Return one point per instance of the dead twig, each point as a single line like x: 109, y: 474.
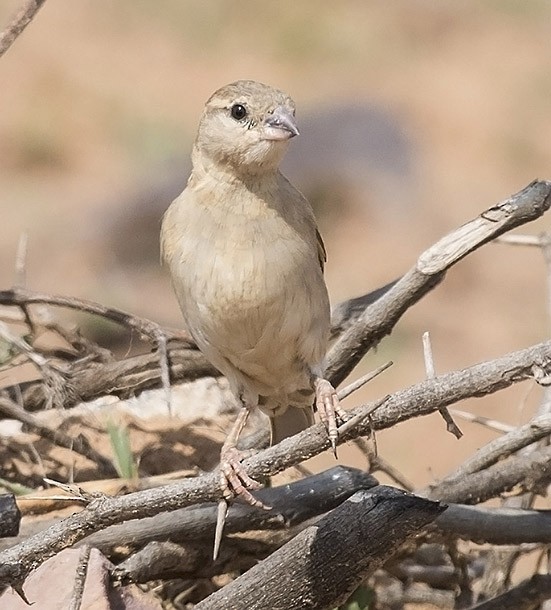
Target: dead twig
x: 351, y: 542
x: 451, y: 426
x: 22, y: 297
x: 424, y: 398
x: 123, y: 378
x: 502, y: 448
x: 79, y: 443
x: 501, y: 563
x: 528, y: 595
x: 18, y: 24
x: 359, y: 383
x: 524, y: 473
x: 498, y: 526
x: 379, y: 318
x: 491, y: 424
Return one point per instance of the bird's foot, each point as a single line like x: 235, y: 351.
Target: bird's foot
x: 328, y: 406
x: 234, y: 483
x: 234, y: 480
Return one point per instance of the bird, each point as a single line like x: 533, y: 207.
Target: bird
x: 246, y: 261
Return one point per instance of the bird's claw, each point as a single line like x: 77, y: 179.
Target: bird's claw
x: 234, y: 483
x: 329, y: 409
x: 234, y: 480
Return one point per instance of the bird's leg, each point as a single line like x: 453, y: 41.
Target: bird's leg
x: 234, y: 480
x: 327, y: 404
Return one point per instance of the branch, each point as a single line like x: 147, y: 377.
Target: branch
x: 324, y: 563
x: 87, y: 380
x: 18, y: 24
x: 502, y: 562
x: 522, y: 472
x: 437, y: 576
x: 123, y: 378
x: 500, y: 448
x: 502, y: 526
x: 378, y: 319
x: 291, y: 504
x: 79, y: 443
x: 22, y: 297
x: 498, y: 526
x: 401, y: 596
x: 361, y: 322
x: 421, y: 399
x: 526, y: 596
x: 10, y: 516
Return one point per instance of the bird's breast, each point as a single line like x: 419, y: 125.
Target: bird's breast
x: 249, y: 284
x: 247, y: 266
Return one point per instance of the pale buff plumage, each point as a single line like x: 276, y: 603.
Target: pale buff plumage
x: 246, y: 258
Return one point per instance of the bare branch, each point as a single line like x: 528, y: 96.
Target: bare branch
x: 80, y: 579
x: 424, y: 398
x: 21, y: 297
x: 483, y: 477
x: 291, y: 504
x: 378, y: 319
x: 502, y: 447
x: 124, y: 378
x: 327, y: 561
x: 18, y: 24
x: 491, y: 424
x: 79, y: 443
x: 526, y: 596
x: 522, y: 472
x: 520, y: 240
x: 501, y: 562
x: 21, y: 260
x: 501, y: 526
x: 359, y: 383
x: 379, y: 464
x: 23, y: 347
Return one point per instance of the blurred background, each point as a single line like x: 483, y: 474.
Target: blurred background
x: 415, y: 116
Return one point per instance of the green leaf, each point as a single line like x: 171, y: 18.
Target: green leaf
x: 15, y: 488
x: 122, y: 453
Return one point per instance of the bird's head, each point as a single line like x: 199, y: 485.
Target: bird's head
x: 247, y: 126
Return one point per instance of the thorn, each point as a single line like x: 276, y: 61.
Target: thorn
x: 364, y: 413
x: 492, y: 424
x: 451, y: 426
x: 220, y: 522
x: 18, y: 588
x: 356, y: 385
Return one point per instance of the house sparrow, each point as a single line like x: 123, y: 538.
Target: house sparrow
x: 246, y: 261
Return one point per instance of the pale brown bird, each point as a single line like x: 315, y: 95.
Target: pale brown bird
x: 246, y: 261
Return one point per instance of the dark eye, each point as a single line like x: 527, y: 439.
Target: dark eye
x: 238, y: 112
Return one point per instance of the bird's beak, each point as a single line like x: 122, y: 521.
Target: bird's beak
x: 280, y: 125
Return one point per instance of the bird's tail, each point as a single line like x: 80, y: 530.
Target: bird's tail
x: 290, y: 422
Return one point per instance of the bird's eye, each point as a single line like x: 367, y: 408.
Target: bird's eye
x: 238, y: 112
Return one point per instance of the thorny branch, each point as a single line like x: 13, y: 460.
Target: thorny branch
x: 358, y: 325
x: 378, y: 319
x: 421, y: 399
